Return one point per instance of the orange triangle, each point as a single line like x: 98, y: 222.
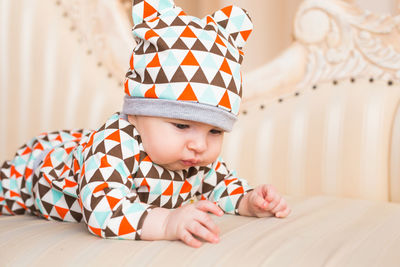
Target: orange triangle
x: 186, y: 187
x: 114, y: 136
x: 47, y: 162
x: 137, y: 157
x: 188, y: 33
x: 47, y: 179
x: 131, y: 62
x: 69, y: 149
x: 14, y: 194
x: 77, y: 135
x: 69, y: 183
x: 219, y: 41
x: 28, y: 173
x: 190, y: 60
x: 125, y: 227
x: 96, y: 231
x: 66, y: 168
x: 155, y: 62
x: 13, y: 171
x: 104, y: 162
x: 151, y: 93
x: 245, y: 34
x: 59, y: 138
x: 38, y: 146
x: 237, y: 191
x: 90, y: 143
x: 112, y: 201
x: 228, y: 181
x: 225, y: 101
x: 210, y: 19
x: 169, y: 191
x: 149, y: 34
x: 227, y: 10
x: 148, y: 10
x: 188, y: 94
x: 127, y: 87
x: 225, y: 67
x: 100, y: 187
x: 182, y: 13
x: 26, y: 151
x: 76, y: 165
x: 218, y: 165
x: 22, y: 205
x: 144, y: 183
x: 61, y: 211
x: 147, y: 158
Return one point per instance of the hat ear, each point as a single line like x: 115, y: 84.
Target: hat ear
x: 144, y: 10
x: 236, y: 22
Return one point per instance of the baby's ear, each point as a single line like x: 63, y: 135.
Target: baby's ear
x: 144, y: 10
x: 236, y: 22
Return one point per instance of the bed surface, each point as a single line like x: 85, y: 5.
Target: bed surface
x: 321, y: 231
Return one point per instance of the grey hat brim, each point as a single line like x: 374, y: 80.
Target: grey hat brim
x: 183, y: 110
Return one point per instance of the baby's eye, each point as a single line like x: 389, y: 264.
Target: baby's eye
x: 215, y: 131
x: 181, y: 126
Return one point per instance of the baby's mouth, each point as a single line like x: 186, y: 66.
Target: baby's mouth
x: 190, y: 163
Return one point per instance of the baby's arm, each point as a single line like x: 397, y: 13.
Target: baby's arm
x: 264, y: 201
x: 183, y: 223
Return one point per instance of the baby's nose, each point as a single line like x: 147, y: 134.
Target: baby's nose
x: 198, y: 144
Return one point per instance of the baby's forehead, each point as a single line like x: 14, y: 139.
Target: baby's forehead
x: 179, y: 121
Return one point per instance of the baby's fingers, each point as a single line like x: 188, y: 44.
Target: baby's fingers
x: 283, y: 214
x: 208, y: 206
x: 188, y: 239
x: 281, y: 205
x: 201, y: 231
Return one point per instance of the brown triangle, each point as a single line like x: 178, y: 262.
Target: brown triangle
x: 161, y: 77
x: 168, y: 205
x: 116, y: 151
x: 179, y: 76
x: 166, y: 175
x: 223, y: 23
x: 215, y: 50
x: 178, y: 22
x: 179, y: 44
x: 161, y: 45
x: 157, y: 201
x: 229, y: 56
x: 218, y: 81
x: 139, y: 49
x: 76, y: 215
x: 232, y: 87
x: 153, y: 173
x: 199, y: 46
x: 69, y: 200
x: 178, y: 177
x: 100, y: 148
x: 194, y: 24
x: 161, y: 24
x: 130, y: 163
x: 199, y: 77
x: 151, y: 49
x: 147, y: 78
x: 47, y: 206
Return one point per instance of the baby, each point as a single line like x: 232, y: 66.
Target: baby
x: 136, y: 175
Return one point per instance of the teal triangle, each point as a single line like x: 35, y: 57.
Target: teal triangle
x: 170, y: 13
x: 168, y: 93
x: 164, y: 4
x: 157, y: 189
x: 99, y: 137
x: 58, y: 154
x: 141, y: 63
x: 13, y: 184
x: 228, y: 205
x: 137, y: 92
x: 121, y: 168
x: 170, y: 33
x: 135, y: 208
x: 238, y: 21
x: 129, y: 144
x: 209, y: 62
x: 170, y: 61
x: 235, y: 106
x: 197, y: 181
x: 205, y: 36
x: 177, y: 189
x: 39, y: 204
x: 28, y: 186
x: 57, y: 195
x: 91, y: 164
x: 101, y: 217
x: 18, y: 161
x: 136, y: 18
x: 86, y: 193
x: 218, y: 192
x: 208, y: 97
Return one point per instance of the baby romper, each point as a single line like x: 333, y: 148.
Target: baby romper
x: 106, y: 178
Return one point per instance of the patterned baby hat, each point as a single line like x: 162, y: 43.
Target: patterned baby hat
x: 184, y: 67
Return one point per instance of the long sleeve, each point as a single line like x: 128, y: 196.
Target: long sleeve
x: 110, y: 205
x: 223, y: 187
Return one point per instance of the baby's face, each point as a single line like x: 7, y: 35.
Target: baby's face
x: 178, y: 144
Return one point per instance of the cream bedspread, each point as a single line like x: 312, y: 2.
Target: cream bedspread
x: 321, y: 231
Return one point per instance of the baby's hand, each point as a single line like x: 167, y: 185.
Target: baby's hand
x: 192, y: 220
x: 264, y: 201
